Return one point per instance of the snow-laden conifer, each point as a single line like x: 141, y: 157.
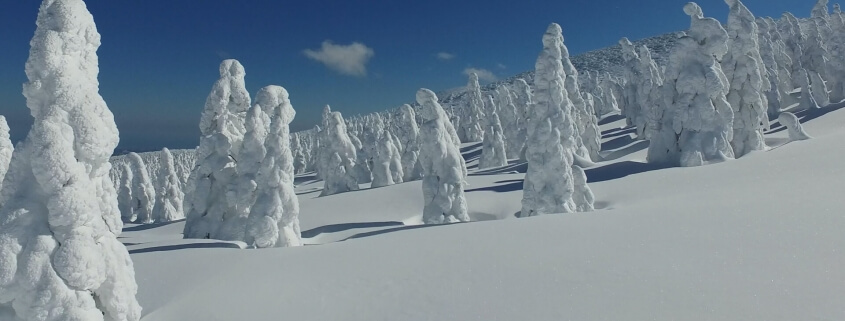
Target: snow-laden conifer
x: 474, y: 112
x: 60, y: 258
x: 509, y: 116
x: 523, y: 99
x: 793, y: 126
x: 409, y: 133
x: 274, y: 217
x: 548, y: 186
x: 493, y: 145
x: 695, y: 93
x: 748, y: 81
x: 444, y: 170
x: 143, y: 191
x: 338, y: 157
x: 582, y: 114
x: 169, y: 196
x: 582, y: 195
x: 125, y: 200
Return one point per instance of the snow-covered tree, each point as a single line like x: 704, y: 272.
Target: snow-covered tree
x: 837, y: 61
x: 409, y: 133
x: 474, y: 112
x: 299, y: 163
x: 695, y: 93
x: 6, y: 149
x: 582, y: 195
x: 444, y: 170
x: 222, y: 127
x: 60, y: 258
x: 509, y: 116
x: 249, y: 159
x: 274, y: 218
x: 169, y: 196
x: 493, y: 145
x: 584, y: 117
x: 808, y: 99
x: 632, y: 111
x: 610, y: 103
x: 337, y: 157
x: 125, y: 200
x: 143, y: 192
x: 523, y: 99
x: 386, y: 159
x: 815, y: 61
x: 793, y: 126
x: 650, y: 95
x: 748, y: 81
x: 549, y: 185
x: 775, y: 94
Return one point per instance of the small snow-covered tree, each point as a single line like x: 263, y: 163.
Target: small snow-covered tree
x: 582, y: 113
x: 338, y: 157
x: 222, y: 127
x: 837, y: 61
x: 409, y: 133
x: 774, y: 95
x: 444, y: 170
x: 249, y: 159
x: 582, y: 195
x: 748, y: 81
x: 387, y: 163
x: 493, y: 145
x: 60, y: 258
x: 299, y: 163
x: 650, y: 93
x: 522, y: 100
x: 793, y: 126
x: 274, y: 217
x: 509, y: 116
x: 808, y: 99
x: 474, y: 111
x: 124, y: 194
x: 143, y: 192
x: 169, y: 196
x: 632, y: 112
x: 549, y: 186
x: 6, y: 149
x: 695, y: 93
x: 815, y: 61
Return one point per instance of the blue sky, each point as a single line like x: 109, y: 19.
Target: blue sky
x: 159, y: 58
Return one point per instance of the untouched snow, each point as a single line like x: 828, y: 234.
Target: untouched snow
x: 758, y: 238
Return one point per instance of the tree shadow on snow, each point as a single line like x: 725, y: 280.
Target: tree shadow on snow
x: 610, y: 119
x: 167, y: 248
x: 514, y: 166
x: 391, y: 230
x: 806, y: 116
x: 619, y: 170
x: 145, y: 227
x: 334, y: 228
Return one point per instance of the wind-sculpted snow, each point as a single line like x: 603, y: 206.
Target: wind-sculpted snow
x: 60, y: 258
x: 793, y: 126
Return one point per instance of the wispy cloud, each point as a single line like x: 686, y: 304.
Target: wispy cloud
x: 349, y: 59
x: 501, y: 66
x: 483, y: 74
x: 445, y: 56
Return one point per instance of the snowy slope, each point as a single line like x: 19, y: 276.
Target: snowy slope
x: 759, y: 238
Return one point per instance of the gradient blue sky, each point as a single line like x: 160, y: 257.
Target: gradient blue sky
x: 159, y: 58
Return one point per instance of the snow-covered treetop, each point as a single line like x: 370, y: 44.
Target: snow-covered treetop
x: 628, y: 51
x: 708, y: 32
x: 820, y: 9
x: 275, y: 101
x: 226, y: 106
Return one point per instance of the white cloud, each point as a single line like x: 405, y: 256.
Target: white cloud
x: 445, y: 56
x: 483, y: 74
x: 501, y: 66
x: 346, y: 59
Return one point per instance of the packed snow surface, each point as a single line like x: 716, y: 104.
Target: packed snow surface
x: 758, y: 238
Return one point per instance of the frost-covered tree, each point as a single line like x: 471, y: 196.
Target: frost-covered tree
x: 60, y: 258
x: 793, y: 126
x: 6, y: 149
x: 493, y: 145
x: 386, y: 160
x: 510, y: 118
x: 583, y: 115
x: 582, y: 195
x: 474, y: 112
x: 611, y: 105
x: 222, y: 126
x: 124, y: 194
x: 549, y: 185
x: 409, y: 133
x: 632, y: 111
x: 650, y: 95
x: 143, y: 192
x: 837, y: 61
x: 249, y: 159
x: 338, y: 157
x: 274, y: 217
x: 748, y: 80
x: 523, y: 99
x: 695, y: 93
x: 768, y: 51
x: 808, y: 99
x: 444, y: 170
x: 815, y: 61
x: 299, y: 163
x: 169, y: 196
